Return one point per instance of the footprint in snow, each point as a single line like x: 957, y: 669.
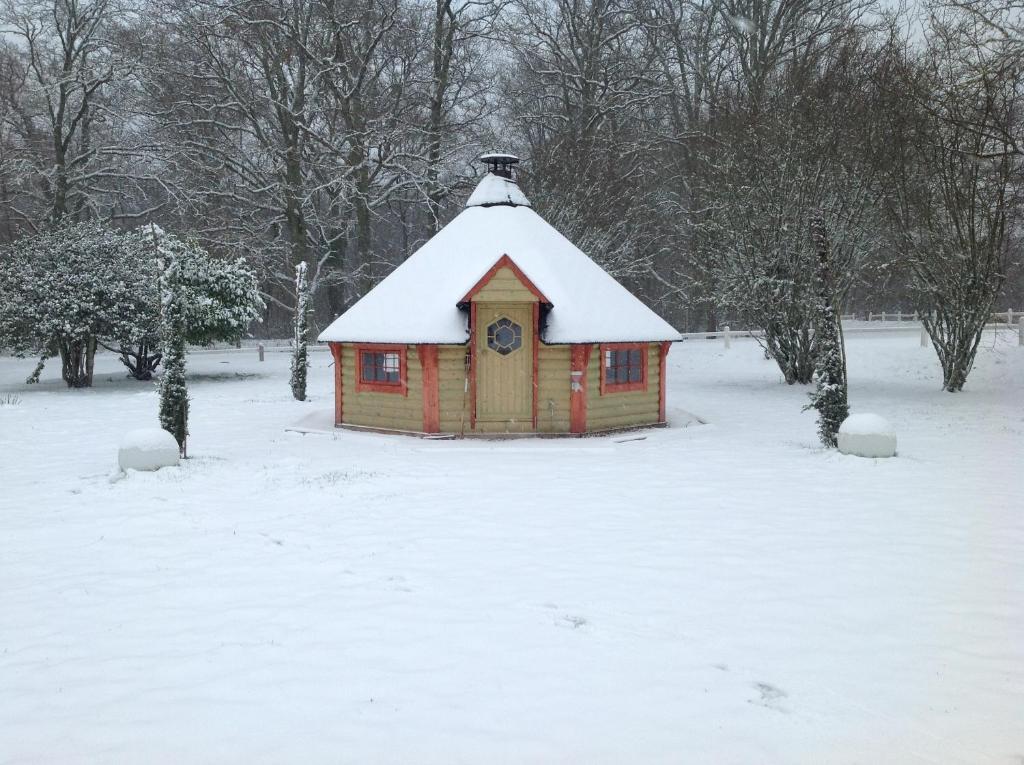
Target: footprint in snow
x: 574, y: 622
x: 771, y: 697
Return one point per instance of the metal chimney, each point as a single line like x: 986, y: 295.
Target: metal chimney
x: 500, y: 164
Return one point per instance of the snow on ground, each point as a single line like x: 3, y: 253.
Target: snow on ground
x: 725, y: 593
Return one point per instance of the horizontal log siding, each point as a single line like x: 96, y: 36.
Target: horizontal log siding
x: 383, y: 410
x: 553, y: 388
x: 620, y: 410
x: 451, y: 380
x: 504, y: 287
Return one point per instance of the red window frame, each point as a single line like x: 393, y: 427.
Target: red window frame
x: 401, y: 386
x: 623, y: 387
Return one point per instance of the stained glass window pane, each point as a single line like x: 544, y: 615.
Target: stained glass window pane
x: 504, y: 336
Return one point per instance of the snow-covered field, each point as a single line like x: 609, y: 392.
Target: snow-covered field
x: 726, y: 593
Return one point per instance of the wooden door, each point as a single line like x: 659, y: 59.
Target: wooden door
x: 504, y: 365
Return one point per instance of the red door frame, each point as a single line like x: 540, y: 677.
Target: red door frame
x: 503, y: 262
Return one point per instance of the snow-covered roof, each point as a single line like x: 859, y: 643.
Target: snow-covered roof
x: 416, y: 303
x: 496, y: 190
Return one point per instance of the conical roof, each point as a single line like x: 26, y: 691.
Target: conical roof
x: 417, y: 302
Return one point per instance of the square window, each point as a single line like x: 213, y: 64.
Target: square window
x: 625, y: 368
x: 381, y: 371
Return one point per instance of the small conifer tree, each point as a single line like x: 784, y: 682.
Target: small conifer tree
x: 830, y: 395
x: 173, y: 389
x: 300, y: 359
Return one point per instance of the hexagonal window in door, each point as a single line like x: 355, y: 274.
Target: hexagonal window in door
x: 504, y: 336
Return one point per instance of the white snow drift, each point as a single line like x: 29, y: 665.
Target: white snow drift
x: 147, y: 449
x: 725, y: 594
x: 867, y: 435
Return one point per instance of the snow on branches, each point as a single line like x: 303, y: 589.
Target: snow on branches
x: 75, y: 287
x: 829, y: 397
x: 64, y: 289
x: 173, y: 388
x: 300, y: 360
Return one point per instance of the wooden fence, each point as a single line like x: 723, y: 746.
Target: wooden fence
x: 1009, y: 316
x: 726, y: 335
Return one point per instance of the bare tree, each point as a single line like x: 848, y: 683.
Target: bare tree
x: 580, y: 99
x: 765, y: 170
x: 62, y: 114
x: 955, y: 188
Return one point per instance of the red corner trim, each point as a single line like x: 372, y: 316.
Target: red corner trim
x: 400, y: 387
x: 578, y: 396
x: 428, y: 355
x: 661, y: 380
x: 505, y: 262
x: 338, y: 394
x: 607, y: 387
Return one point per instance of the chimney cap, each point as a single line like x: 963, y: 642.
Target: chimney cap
x: 500, y: 157
x: 499, y: 163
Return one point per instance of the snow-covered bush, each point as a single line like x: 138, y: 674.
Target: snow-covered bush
x: 173, y: 389
x: 65, y: 289
x: 147, y: 449
x: 829, y: 397
x: 68, y: 290
x: 867, y: 435
x: 219, y: 300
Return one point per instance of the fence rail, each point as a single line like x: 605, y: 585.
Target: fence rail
x: 1009, y: 316
x: 727, y: 335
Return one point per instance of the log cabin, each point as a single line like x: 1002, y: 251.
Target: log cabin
x: 498, y: 325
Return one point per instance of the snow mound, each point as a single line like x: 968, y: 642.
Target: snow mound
x: 496, y: 190
x: 147, y: 449
x: 867, y: 435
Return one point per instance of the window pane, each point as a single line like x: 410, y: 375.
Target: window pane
x: 380, y: 367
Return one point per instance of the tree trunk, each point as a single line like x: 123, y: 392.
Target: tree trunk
x: 956, y: 355
x: 956, y: 334
x: 444, y: 31
x: 77, y: 358
x: 793, y: 350
x: 141, y: 362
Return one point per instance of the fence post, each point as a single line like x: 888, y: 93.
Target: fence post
x: 924, y: 337
x: 259, y: 348
x: 1009, y: 316
x: 871, y: 316
x: 1020, y: 331
x: 725, y: 335
x: 883, y: 315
